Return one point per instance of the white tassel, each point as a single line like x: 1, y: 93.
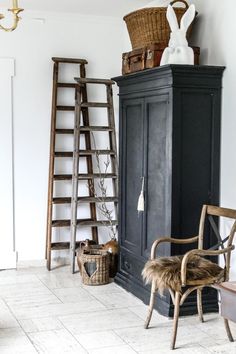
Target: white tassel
x: 141, y: 201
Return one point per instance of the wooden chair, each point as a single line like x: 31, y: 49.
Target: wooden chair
x: 179, y: 296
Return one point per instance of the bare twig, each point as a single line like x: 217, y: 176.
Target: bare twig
x: 102, y: 206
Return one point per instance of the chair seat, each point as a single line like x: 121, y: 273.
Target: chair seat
x: 166, y: 272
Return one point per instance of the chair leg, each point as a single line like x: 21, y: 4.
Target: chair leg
x: 228, y: 331
x: 151, y: 305
x: 176, y: 318
x: 199, y: 305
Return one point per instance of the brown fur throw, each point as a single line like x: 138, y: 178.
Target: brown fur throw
x: 166, y: 272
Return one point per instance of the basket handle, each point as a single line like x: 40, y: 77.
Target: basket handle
x: 183, y: 1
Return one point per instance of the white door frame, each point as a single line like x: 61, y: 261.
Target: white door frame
x: 7, y: 237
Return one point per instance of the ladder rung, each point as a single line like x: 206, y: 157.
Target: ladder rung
x: 66, y: 108
x: 97, y: 200
x: 63, y: 154
x: 94, y: 81
x: 61, y: 200
x: 95, y: 128
x: 84, y: 153
x: 84, y: 176
x: 94, y: 104
x: 62, y: 245
x: 97, y: 223
x: 85, y: 222
x: 67, y: 200
x: 64, y: 131
x: 62, y: 177
x: 66, y: 85
x: 69, y: 60
x: 84, y: 129
x: 65, y: 223
x: 99, y: 152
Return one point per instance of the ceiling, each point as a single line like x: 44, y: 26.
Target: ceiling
x: 115, y: 8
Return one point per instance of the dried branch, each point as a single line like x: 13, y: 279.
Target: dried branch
x: 102, y: 206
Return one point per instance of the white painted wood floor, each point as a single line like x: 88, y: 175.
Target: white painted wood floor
x: 52, y: 312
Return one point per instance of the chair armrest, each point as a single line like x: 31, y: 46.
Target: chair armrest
x: 171, y: 240
x: 199, y: 252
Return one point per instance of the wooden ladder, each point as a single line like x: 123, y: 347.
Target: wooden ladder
x: 82, y: 126
x: 53, y: 178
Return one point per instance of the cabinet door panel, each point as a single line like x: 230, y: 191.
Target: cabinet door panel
x: 157, y: 165
x: 131, y: 173
x: 197, y: 136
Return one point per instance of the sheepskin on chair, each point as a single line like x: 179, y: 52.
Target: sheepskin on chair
x: 166, y: 272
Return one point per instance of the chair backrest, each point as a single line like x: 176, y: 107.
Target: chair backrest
x: 208, y: 213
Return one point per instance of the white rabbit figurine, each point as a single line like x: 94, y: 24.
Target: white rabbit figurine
x: 178, y: 51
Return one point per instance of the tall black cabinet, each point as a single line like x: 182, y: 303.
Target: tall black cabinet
x: 170, y: 136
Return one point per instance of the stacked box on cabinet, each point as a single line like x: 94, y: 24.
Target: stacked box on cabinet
x: 147, y: 57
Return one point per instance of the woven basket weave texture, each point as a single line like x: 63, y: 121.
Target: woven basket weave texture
x: 150, y: 25
x: 95, y: 267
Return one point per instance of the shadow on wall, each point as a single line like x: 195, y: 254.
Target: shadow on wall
x: 209, y: 32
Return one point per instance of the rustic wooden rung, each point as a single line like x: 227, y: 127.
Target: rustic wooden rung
x: 98, y: 152
x: 95, y: 128
x: 66, y: 108
x: 63, y: 154
x: 66, y: 85
x: 84, y: 153
x: 84, y: 176
x: 95, y: 104
x: 63, y: 245
x: 61, y: 200
x: 64, y: 131
x: 89, y: 223
x: 94, y: 81
x: 66, y: 222
x: 69, y: 60
x: 67, y: 200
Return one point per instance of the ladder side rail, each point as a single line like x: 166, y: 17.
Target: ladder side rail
x: 51, y: 165
x: 89, y: 160
x: 113, y: 144
x: 90, y: 171
x: 75, y: 175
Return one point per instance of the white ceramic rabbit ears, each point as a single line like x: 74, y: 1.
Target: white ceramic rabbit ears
x: 186, y: 20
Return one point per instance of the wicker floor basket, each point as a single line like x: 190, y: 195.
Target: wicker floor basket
x: 150, y: 25
x: 95, y: 267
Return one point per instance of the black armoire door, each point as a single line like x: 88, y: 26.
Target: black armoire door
x: 170, y: 135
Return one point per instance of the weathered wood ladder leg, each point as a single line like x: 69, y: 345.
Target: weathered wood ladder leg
x: 51, y: 165
x: 89, y: 160
x: 75, y: 176
x: 113, y: 145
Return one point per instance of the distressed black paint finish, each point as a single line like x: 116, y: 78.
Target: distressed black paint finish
x: 169, y: 134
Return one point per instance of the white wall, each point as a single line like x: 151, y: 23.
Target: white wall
x: 7, y: 254
x: 215, y: 32
x: 39, y: 37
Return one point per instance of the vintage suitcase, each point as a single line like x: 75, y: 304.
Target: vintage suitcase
x: 147, y: 57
